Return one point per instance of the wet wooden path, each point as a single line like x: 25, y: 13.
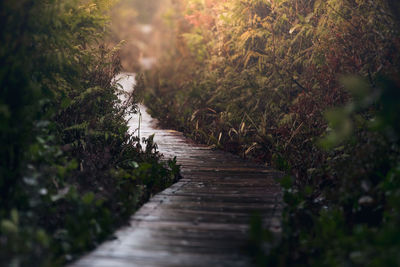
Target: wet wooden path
x: 203, y: 220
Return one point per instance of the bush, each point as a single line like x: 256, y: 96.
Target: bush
x: 310, y: 87
x: 69, y: 171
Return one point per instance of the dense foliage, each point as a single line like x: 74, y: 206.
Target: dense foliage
x: 69, y: 170
x: 311, y: 87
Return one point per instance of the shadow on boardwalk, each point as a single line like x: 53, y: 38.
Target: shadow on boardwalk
x: 203, y: 220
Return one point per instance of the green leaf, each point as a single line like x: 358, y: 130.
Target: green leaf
x: 9, y: 227
x: 88, y: 198
x: 133, y: 164
x: 15, y: 217
x: 357, y: 86
x: 286, y: 182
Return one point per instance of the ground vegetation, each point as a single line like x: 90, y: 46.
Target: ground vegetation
x: 309, y: 87
x: 70, y: 172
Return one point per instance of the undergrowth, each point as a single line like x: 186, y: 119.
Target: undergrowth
x: 69, y: 171
x: 309, y: 87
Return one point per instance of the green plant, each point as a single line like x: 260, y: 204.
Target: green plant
x: 264, y: 79
x: 68, y: 167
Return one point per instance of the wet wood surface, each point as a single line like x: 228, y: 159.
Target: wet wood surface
x: 202, y: 220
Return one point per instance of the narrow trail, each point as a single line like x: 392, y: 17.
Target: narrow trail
x: 202, y: 220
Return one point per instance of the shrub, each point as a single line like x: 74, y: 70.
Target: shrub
x: 69, y: 171
x: 271, y: 79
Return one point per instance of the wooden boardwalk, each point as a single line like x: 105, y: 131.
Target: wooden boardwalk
x: 203, y: 220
